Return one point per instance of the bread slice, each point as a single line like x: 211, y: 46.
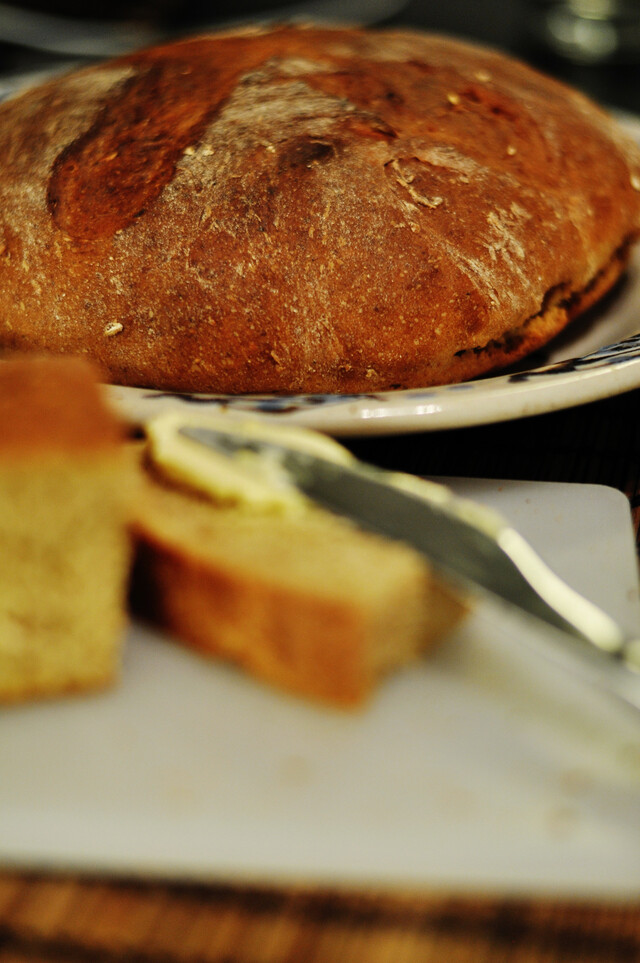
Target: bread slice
x: 64, y: 547
x: 307, y: 601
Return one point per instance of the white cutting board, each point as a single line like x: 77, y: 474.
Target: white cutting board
x: 482, y: 768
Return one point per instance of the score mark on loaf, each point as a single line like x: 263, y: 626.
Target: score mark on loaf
x: 306, y: 209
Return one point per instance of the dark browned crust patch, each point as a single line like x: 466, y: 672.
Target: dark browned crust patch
x: 107, y: 177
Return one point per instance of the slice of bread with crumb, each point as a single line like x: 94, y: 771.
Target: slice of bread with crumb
x: 64, y: 546
x: 307, y: 601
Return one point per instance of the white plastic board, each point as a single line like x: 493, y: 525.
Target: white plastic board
x: 480, y: 768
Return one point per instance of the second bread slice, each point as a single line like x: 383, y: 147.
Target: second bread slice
x: 309, y: 602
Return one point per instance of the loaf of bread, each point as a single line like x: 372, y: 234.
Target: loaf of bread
x: 305, y: 601
x: 64, y: 545
x: 305, y: 209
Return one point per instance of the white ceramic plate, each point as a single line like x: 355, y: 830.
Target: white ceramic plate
x: 480, y: 769
x: 584, y: 366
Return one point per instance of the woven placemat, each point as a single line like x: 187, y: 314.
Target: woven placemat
x: 70, y: 919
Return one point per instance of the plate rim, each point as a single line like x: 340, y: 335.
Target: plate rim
x: 608, y: 371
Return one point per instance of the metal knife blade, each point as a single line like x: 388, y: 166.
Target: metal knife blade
x: 471, y: 545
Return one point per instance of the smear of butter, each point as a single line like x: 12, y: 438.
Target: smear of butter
x: 251, y: 481
x: 258, y: 482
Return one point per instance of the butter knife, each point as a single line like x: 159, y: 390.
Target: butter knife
x: 471, y: 545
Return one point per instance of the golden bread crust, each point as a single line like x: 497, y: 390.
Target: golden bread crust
x: 53, y: 406
x: 306, y: 209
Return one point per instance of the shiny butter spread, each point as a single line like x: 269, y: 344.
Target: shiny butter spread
x: 252, y: 481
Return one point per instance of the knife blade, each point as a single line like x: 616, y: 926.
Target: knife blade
x: 471, y: 545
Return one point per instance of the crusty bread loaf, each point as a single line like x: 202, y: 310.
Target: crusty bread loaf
x: 305, y: 601
x: 307, y: 209
x: 64, y: 547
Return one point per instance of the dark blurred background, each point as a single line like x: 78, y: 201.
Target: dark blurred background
x: 593, y: 44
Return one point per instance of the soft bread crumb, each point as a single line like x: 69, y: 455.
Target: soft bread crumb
x: 64, y: 547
